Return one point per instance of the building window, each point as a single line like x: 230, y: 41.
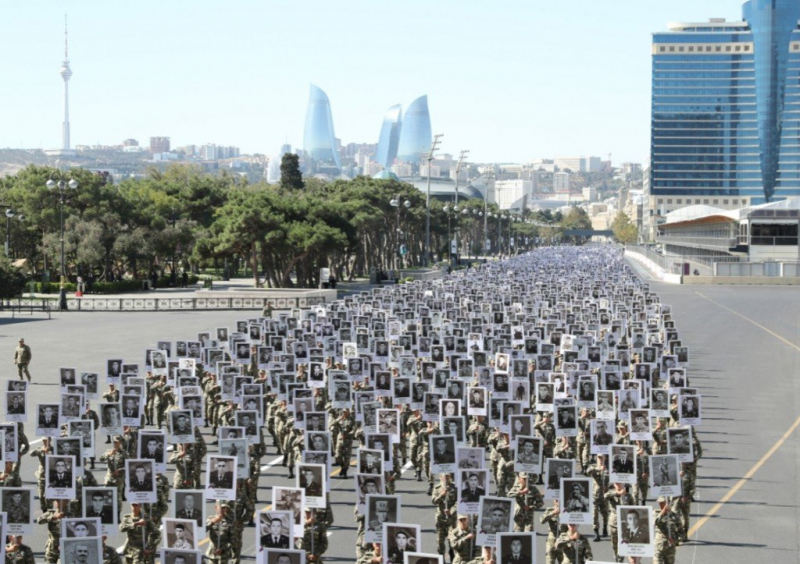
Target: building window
x: 660, y: 201
x: 672, y: 49
x: 691, y: 49
x: 727, y: 48
x: 724, y: 202
x: 773, y: 234
x: 705, y: 201
x: 679, y: 201
x: 669, y: 201
x: 716, y: 202
x: 680, y: 49
x: 719, y: 48
x: 662, y: 49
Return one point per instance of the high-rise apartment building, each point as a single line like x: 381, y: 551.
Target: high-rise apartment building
x: 561, y: 182
x: 725, y: 127
x: 513, y: 194
x: 159, y: 144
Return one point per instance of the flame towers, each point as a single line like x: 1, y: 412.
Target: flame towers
x: 319, y: 141
x: 415, y: 137
x: 389, y: 139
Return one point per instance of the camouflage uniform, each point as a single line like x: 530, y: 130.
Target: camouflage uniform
x: 505, y: 468
x: 444, y: 498
x: 601, y: 483
x: 219, y: 537
x: 19, y: 554
x: 576, y: 551
x: 41, y: 453
x: 550, y: 518
x: 547, y: 431
x: 110, y: 555
x: 584, y: 448
x: 115, y: 473
x: 614, y: 499
x: 140, y: 538
x: 185, y: 463
x: 413, y: 426
x: 642, y: 485
x: 527, y: 502
x: 466, y: 549
x: 667, y: 527
x: 314, y: 541
x: 53, y: 519
x: 344, y: 430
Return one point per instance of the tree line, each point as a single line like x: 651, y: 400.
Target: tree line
x: 183, y: 219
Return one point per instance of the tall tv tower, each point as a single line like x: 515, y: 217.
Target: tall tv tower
x: 66, y: 74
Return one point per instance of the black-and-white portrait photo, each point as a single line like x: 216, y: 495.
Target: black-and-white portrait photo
x: 17, y: 504
x: 442, y: 453
x: 221, y: 477
x: 284, y: 556
x: 495, y: 516
x: 380, y: 509
x: 47, y: 422
x: 399, y: 538
x: 635, y: 532
x: 180, y: 428
x: 101, y: 503
x: 576, y: 501
x: 180, y: 534
x: 82, y: 550
x: 293, y: 501
x: 177, y: 556
x: 60, y: 473
x: 516, y: 548
x: 140, y: 480
x: 664, y: 475
x: 275, y: 529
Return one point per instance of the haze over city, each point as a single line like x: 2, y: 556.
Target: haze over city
x: 510, y: 81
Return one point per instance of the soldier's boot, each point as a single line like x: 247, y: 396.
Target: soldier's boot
x: 605, y: 529
x: 291, y: 471
x: 91, y: 461
x: 597, y: 535
x: 430, y: 488
x: 344, y: 470
x: 284, y: 462
x: 419, y: 475
x: 452, y: 553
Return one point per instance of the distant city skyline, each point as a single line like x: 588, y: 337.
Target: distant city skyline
x: 511, y: 82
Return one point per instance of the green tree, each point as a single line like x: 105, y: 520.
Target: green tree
x: 291, y: 178
x: 625, y: 232
x: 12, y: 281
x: 576, y: 218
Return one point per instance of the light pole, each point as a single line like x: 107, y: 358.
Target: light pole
x: 489, y: 176
x: 9, y: 215
x: 62, y: 186
x: 395, y: 203
x: 461, y: 158
x: 426, y: 257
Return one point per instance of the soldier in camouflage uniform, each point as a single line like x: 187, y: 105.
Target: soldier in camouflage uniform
x: 528, y: 500
x: 505, y: 476
x: 10, y: 478
x: 343, y: 428
x: 315, y: 538
x: 413, y: 427
x: 445, y: 498
x: 574, y: 547
x: 667, y: 534
x: 53, y: 519
x: 185, y: 464
x: 110, y: 554
x: 463, y: 542
x: 115, y: 472
x: 18, y: 553
x: 143, y: 537
x: 547, y: 431
x: 584, y: 430
x: 642, y: 485
x: 296, y: 444
x: 424, y: 460
x: 478, y: 431
x: 614, y: 498
x: 219, y: 529
x: 598, y: 472
x: 491, y: 442
x: 157, y: 510
x: 550, y: 518
x: 23, y: 446
x: 41, y: 453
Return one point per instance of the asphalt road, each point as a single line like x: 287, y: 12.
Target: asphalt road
x: 745, y: 348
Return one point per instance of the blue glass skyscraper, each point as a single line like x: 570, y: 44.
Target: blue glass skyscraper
x: 319, y: 141
x: 415, y: 137
x: 390, y: 136
x: 725, y: 128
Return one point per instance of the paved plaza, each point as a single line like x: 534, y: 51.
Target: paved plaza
x: 745, y: 356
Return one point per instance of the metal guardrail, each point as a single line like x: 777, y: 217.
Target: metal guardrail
x: 172, y: 304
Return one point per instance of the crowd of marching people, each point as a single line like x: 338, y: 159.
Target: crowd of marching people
x: 546, y: 393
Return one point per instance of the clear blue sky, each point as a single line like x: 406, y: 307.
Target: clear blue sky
x: 510, y: 80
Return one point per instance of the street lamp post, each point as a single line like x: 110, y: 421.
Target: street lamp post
x: 426, y: 257
x: 395, y: 203
x: 461, y: 158
x: 62, y: 186
x: 9, y: 215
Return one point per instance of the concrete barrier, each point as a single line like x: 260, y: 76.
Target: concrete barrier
x: 654, y: 269
x: 741, y: 280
